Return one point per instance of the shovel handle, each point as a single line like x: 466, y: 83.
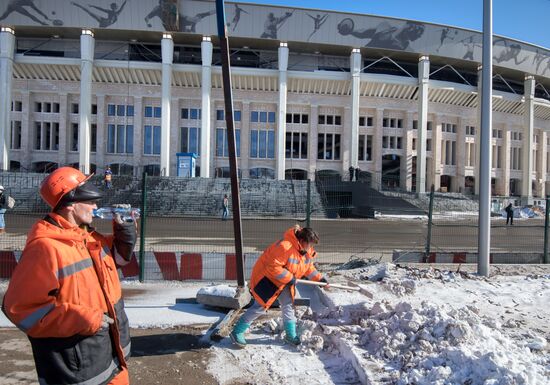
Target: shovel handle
x: 335, y: 285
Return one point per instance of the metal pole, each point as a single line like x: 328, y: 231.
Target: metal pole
x: 142, y: 226
x: 546, y: 220
x: 430, y: 222
x: 484, y: 234
x: 228, y: 98
x: 308, y: 204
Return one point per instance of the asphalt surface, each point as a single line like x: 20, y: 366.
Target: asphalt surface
x: 341, y: 239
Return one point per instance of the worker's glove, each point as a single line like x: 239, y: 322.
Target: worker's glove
x: 324, y: 280
x: 106, y: 321
x: 125, y: 237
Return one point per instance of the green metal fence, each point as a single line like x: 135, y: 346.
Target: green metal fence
x: 183, y: 236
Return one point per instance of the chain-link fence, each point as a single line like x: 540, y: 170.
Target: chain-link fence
x: 185, y: 237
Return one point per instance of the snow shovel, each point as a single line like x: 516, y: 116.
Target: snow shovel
x: 337, y: 286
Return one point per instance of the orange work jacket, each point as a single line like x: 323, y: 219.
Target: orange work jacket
x: 276, y: 267
x: 64, y: 283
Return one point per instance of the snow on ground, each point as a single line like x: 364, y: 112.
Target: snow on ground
x: 422, y: 327
x: 153, y: 304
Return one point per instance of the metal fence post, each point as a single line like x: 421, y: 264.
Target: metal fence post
x: 308, y: 204
x: 142, y: 227
x: 430, y: 215
x: 546, y: 219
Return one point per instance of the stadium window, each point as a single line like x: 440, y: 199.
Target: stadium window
x: 194, y: 113
x: 222, y: 149
x: 38, y: 107
x: 94, y: 109
x: 74, y: 108
x: 74, y: 137
x: 237, y: 115
x: 429, y: 126
x: 289, y: 118
x: 254, y: 116
x: 111, y: 110
x: 385, y: 122
x: 296, y: 145
x: 428, y: 145
x: 151, y: 142
x: 148, y: 111
x: 15, y: 135
x: 93, y: 135
x: 120, y: 110
x: 415, y: 125
x: 157, y: 112
x: 399, y: 123
x: 328, y: 146
x: 305, y: 118
x: 47, y: 107
x: 17, y: 106
x: 362, y: 123
x: 262, y: 144
x: 190, y: 139
x: 130, y: 110
x: 220, y: 115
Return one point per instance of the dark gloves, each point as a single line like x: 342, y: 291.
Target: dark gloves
x: 324, y: 280
x: 125, y: 238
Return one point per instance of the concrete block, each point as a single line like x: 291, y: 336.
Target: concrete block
x: 241, y: 299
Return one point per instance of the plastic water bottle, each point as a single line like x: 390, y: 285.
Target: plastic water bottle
x: 128, y: 214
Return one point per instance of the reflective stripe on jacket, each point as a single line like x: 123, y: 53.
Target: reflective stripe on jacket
x: 64, y: 282
x: 276, y: 267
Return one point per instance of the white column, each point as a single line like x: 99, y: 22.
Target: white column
x: 506, y: 155
x: 527, y: 142
x: 206, y: 90
x: 478, y: 130
x: 87, y: 43
x: 167, y: 49
x: 460, y: 155
x: 423, y: 86
x: 355, y: 66
x: 281, y: 118
x: 313, y: 140
x: 7, y: 47
x: 542, y: 170
x: 406, y: 162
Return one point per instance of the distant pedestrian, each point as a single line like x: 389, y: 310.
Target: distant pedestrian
x: 108, y: 178
x: 509, y: 214
x: 225, y: 206
x: 351, y: 170
x: 357, y: 172
x: 6, y: 202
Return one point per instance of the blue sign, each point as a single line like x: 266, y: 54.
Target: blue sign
x: 186, y: 164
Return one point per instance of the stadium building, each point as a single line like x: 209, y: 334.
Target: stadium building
x: 132, y: 83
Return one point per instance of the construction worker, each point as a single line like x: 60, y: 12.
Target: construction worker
x: 65, y: 293
x: 274, y: 276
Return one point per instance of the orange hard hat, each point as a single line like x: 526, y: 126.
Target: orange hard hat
x: 60, y: 182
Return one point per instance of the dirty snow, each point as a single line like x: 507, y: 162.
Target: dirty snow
x: 423, y: 326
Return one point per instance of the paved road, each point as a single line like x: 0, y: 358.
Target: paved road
x: 340, y: 239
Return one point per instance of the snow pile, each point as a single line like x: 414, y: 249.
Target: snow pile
x: 437, y: 345
x: 218, y: 291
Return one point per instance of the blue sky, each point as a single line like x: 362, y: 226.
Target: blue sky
x: 526, y: 20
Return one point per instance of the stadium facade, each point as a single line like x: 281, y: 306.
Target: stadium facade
x: 132, y: 83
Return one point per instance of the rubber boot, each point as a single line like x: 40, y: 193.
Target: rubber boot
x: 290, y: 333
x: 237, y: 334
